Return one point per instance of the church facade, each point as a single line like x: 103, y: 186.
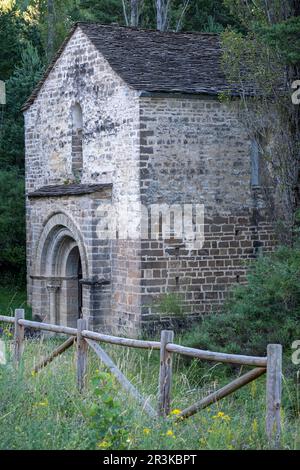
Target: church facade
x: 125, y: 123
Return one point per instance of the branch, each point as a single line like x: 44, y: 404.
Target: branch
x: 125, y: 13
x: 183, y: 11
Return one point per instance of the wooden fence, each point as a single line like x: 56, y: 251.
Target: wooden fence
x: 271, y: 365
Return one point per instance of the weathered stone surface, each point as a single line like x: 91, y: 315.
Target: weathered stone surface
x: 132, y: 150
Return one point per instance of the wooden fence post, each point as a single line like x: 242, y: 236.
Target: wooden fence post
x: 165, y: 374
x: 274, y: 377
x: 18, y: 336
x: 82, y: 348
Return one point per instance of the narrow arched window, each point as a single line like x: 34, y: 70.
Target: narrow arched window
x: 77, y: 158
x: 255, y: 163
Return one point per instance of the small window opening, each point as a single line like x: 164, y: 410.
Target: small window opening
x: 255, y: 163
x: 77, y: 157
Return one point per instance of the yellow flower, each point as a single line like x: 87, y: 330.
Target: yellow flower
x: 103, y: 444
x: 170, y: 433
x: 254, y: 426
x: 146, y: 431
x: 43, y: 403
x: 33, y: 373
x: 222, y: 416
x: 175, y: 412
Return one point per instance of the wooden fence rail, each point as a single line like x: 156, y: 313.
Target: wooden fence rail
x: 84, y: 338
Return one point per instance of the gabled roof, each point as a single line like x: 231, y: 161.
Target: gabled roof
x: 153, y: 61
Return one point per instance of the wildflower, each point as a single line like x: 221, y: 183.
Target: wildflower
x: 33, y: 373
x: 226, y: 418
x: 221, y: 415
x: 170, y: 433
x: 42, y: 403
x: 103, y: 444
x: 146, y: 431
x: 175, y: 412
x: 253, y: 389
x: 254, y: 426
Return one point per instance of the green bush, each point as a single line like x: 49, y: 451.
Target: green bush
x: 266, y: 310
x: 12, y: 225
x: 105, y: 416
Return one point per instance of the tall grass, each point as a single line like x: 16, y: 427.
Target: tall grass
x: 45, y: 411
x: 12, y: 298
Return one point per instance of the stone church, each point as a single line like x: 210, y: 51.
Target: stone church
x: 124, y: 119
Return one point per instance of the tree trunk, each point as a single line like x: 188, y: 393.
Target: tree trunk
x: 134, y: 17
x: 162, y: 14
x: 50, y: 35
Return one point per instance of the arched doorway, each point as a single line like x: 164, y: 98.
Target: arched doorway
x: 74, y: 275
x: 65, y: 288
x: 61, y: 264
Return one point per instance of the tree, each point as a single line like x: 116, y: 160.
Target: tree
x: 12, y: 208
x: 18, y: 88
x: 132, y: 12
x: 15, y: 31
x: 51, y: 28
x: 162, y: 14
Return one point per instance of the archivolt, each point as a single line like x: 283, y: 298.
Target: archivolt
x: 59, y: 237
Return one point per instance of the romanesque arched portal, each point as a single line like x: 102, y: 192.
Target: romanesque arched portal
x: 60, y: 265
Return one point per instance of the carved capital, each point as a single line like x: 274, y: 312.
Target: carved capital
x: 53, y: 285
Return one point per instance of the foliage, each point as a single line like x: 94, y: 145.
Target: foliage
x: 285, y: 36
x: 266, y: 310
x: 106, y: 418
x: 18, y: 88
x: 104, y: 11
x: 12, y: 222
x: 170, y: 304
x: 15, y: 32
x: 12, y: 298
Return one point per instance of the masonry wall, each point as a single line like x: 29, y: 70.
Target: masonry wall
x: 194, y: 150
x: 110, y: 147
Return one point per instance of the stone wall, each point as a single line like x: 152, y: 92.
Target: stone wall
x: 195, y: 151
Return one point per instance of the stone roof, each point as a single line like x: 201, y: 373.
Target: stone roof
x: 154, y: 61
x: 68, y: 190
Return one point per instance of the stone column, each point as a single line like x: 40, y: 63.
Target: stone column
x: 53, y: 287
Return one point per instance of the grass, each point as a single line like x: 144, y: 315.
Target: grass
x: 12, y: 298
x: 45, y: 411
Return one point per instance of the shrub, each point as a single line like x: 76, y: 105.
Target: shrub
x: 106, y: 416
